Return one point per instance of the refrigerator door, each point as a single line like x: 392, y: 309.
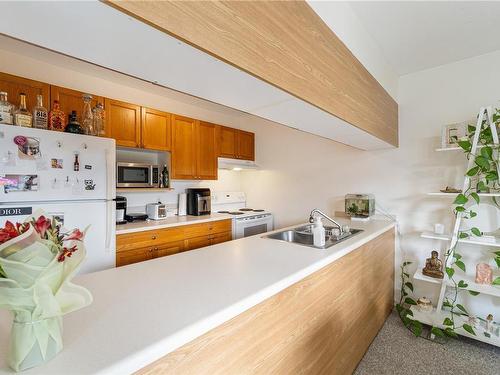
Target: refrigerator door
x: 98, y: 215
x: 49, y: 157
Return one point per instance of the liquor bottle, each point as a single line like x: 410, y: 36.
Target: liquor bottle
x: 87, y: 116
x: 6, y: 109
x: 22, y: 116
x: 164, y: 177
x: 40, y: 115
x: 73, y: 124
x: 57, y: 118
x: 98, y: 112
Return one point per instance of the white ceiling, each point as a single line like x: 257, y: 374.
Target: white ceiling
x: 417, y: 35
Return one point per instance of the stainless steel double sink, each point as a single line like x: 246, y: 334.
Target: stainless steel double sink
x: 303, y: 236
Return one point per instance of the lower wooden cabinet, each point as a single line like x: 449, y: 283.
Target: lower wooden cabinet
x: 141, y: 246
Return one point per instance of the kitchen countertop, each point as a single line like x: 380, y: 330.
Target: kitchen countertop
x: 144, y: 311
x: 174, y: 221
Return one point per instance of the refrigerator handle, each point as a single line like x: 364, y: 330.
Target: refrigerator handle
x: 110, y: 173
x: 110, y: 223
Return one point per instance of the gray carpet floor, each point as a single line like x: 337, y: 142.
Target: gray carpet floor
x: 396, y: 351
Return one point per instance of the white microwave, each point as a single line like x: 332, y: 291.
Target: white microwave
x: 137, y: 175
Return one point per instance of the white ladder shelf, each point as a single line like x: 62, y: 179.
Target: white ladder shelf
x: 435, y: 318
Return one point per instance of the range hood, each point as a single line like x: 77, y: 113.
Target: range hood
x: 236, y: 164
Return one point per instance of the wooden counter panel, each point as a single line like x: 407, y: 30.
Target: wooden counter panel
x: 284, y: 43
x: 320, y: 325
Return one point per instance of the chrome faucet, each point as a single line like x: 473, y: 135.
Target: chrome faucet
x: 316, y: 211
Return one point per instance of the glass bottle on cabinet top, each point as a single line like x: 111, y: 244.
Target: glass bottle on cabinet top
x: 40, y: 115
x: 57, y: 118
x: 98, y: 113
x: 73, y: 124
x: 22, y: 116
x: 87, y: 116
x: 6, y: 109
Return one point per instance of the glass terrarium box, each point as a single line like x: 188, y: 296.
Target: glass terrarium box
x: 360, y: 205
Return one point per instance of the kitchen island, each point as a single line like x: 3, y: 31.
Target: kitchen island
x: 252, y: 305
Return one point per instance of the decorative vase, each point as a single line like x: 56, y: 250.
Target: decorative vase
x: 34, y: 342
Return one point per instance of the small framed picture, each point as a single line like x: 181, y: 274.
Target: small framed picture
x: 452, y: 133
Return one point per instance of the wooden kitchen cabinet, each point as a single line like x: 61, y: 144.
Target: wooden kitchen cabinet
x: 140, y: 246
x: 14, y: 85
x: 194, y: 149
x: 184, y: 154
x: 123, y: 123
x: 207, y: 151
x: 246, y: 145
x: 134, y: 256
x: 228, y: 139
x: 71, y: 100
x: 156, y: 129
x: 236, y: 144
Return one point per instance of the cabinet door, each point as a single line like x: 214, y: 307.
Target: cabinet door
x: 134, y: 255
x: 169, y: 249
x: 183, y: 148
x: 246, y: 145
x: 221, y: 237
x: 197, y: 242
x: 123, y: 121
x: 207, y: 151
x: 156, y: 130
x: 71, y: 100
x: 228, y: 142
x: 14, y: 85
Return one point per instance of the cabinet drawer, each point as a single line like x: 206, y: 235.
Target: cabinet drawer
x: 134, y: 255
x: 211, y: 227
x: 221, y: 237
x: 130, y: 241
x: 169, y: 249
x: 197, y: 242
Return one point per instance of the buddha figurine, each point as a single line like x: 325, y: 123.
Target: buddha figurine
x: 433, y: 266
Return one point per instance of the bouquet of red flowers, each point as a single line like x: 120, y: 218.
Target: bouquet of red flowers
x: 37, y: 260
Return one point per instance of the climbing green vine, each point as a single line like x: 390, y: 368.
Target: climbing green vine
x: 483, y: 178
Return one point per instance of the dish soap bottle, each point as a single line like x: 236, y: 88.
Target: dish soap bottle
x: 318, y: 231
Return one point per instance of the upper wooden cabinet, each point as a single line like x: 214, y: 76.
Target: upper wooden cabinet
x: 228, y: 140
x: 184, y: 154
x: 246, y: 145
x: 14, y: 85
x: 156, y: 129
x: 123, y: 122
x: 207, y: 151
x: 236, y: 144
x: 71, y: 100
x: 194, y: 149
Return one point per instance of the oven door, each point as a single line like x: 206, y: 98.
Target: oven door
x: 250, y: 226
x: 134, y: 175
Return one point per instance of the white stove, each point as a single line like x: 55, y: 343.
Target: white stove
x: 246, y: 221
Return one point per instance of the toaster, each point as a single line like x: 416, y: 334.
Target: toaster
x: 156, y: 211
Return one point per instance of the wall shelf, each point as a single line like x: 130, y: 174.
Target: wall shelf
x: 471, y: 285
x: 436, y: 318
x: 143, y: 190
x: 452, y: 195
x: 482, y: 241
x: 457, y: 148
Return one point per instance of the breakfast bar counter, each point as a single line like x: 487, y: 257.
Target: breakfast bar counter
x: 144, y: 311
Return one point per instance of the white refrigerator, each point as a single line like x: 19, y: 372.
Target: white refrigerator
x: 71, y: 176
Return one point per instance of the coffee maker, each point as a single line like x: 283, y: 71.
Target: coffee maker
x: 198, y: 201
x: 121, y: 209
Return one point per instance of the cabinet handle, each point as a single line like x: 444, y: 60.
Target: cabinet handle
x: 153, y: 237
x: 155, y: 249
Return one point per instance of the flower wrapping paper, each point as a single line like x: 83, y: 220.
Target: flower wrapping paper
x: 37, y: 288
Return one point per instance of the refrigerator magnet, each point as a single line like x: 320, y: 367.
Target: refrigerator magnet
x: 28, y: 147
x: 89, y: 184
